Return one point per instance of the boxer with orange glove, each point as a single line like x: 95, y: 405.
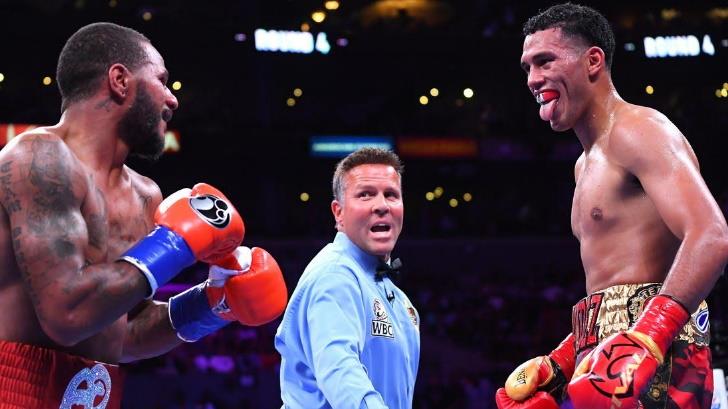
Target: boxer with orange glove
x: 539, y: 382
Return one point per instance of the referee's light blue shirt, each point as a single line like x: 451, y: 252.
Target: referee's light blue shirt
x: 344, y: 343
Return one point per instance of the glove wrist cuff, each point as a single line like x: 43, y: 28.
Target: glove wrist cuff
x: 191, y: 316
x: 555, y: 384
x: 662, y: 319
x: 564, y: 356
x: 159, y: 256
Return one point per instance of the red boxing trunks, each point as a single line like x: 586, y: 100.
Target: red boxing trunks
x: 38, y: 378
x: 685, y: 380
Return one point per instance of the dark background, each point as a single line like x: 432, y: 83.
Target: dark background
x: 494, y: 279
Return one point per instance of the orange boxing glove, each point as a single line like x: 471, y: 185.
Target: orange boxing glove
x: 255, y: 292
x: 217, y: 228
x: 192, y: 224
x: 246, y: 286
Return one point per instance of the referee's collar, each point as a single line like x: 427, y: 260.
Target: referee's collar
x: 367, y: 261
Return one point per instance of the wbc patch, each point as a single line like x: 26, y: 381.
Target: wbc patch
x: 381, y: 325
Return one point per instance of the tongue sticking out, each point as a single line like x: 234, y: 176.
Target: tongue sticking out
x: 548, y: 100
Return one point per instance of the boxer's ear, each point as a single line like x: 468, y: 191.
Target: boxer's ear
x: 118, y: 79
x: 596, y: 62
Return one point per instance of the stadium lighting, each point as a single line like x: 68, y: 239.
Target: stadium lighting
x: 318, y: 16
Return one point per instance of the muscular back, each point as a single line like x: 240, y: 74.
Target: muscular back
x: 58, y: 217
x: 623, y: 235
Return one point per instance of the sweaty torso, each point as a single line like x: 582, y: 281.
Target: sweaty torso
x: 114, y: 217
x: 622, y: 237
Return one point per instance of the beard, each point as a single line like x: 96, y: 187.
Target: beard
x: 139, y: 128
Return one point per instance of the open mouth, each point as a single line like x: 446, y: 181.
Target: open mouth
x: 547, y: 96
x: 548, y: 100
x: 380, y: 227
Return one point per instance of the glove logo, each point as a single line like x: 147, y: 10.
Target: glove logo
x: 619, y: 382
x: 212, y: 209
x: 89, y: 389
x: 623, y: 378
x: 222, y: 306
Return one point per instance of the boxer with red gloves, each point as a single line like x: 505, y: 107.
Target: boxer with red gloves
x: 539, y: 382
x: 644, y: 217
x: 622, y: 367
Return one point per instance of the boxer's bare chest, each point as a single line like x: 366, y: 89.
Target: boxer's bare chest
x: 606, y: 197
x: 116, y: 218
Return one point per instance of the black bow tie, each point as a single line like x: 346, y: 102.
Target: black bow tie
x: 388, y: 270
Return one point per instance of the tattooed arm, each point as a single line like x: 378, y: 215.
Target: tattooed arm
x: 149, y: 332
x: 43, y: 192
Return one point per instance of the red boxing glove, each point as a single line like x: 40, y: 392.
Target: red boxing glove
x: 205, y: 219
x: 255, y: 292
x: 535, y: 383
x: 539, y: 400
x: 620, y: 369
